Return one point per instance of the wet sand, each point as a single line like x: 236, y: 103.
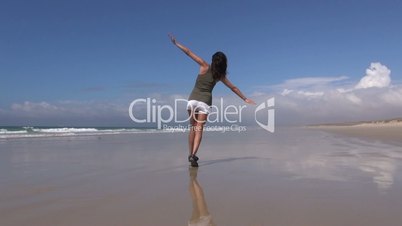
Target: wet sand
x: 293, y: 177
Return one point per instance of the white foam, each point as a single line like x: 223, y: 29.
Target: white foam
x: 32, y: 132
x: 5, y: 131
x: 65, y: 130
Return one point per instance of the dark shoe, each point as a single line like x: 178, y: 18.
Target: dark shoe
x: 193, y: 160
x: 194, y: 156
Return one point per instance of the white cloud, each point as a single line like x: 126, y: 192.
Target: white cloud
x: 310, y: 94
x: 41, y: 107
x: 353, y: 98
x: 307, y: 82
x: 298, y: 101
x: 324, y: 99
x: 393, y: 96
x: 64, y: 110
x: 71, y: 112
x: 377, y: 75
x: 286, y: 92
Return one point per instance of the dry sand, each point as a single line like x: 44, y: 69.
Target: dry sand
x: 293, y: 177
x: 388, y: 131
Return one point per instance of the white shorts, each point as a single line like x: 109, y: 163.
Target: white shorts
x: 198, y: 106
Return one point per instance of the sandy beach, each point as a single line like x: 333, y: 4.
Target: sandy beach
x: 296, y: 176
x: 386, y: 131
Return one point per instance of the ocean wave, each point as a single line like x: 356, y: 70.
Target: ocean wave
x: 32, y: 132
x: 5, y: 131
x: 65, y: 130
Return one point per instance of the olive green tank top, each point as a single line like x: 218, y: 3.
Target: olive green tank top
x: 203, y: 87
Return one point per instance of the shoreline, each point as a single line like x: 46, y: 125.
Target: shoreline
x: 382, y: 130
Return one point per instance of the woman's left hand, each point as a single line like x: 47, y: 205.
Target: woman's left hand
x: 249, y: 101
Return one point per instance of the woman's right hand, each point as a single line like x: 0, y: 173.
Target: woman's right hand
x: 172, y: 38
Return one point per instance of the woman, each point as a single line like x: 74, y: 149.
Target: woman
x: 200, y: 98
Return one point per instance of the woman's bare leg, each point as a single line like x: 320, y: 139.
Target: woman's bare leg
x: 199, y: 128
x: 191, y: 133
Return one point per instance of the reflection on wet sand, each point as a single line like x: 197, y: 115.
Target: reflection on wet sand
x: 200, y: 214
x: 379, y: 161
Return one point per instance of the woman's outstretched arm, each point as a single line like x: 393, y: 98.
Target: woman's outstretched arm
x: 236, y: 90
x: 203, y: 64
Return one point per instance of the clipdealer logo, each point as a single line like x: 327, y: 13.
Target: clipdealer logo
x: 232, y: 114
x: 269, y: 106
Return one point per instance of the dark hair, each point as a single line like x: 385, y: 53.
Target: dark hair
x: 218, y: 66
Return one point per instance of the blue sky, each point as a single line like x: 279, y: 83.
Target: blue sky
x: 107, y: 53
